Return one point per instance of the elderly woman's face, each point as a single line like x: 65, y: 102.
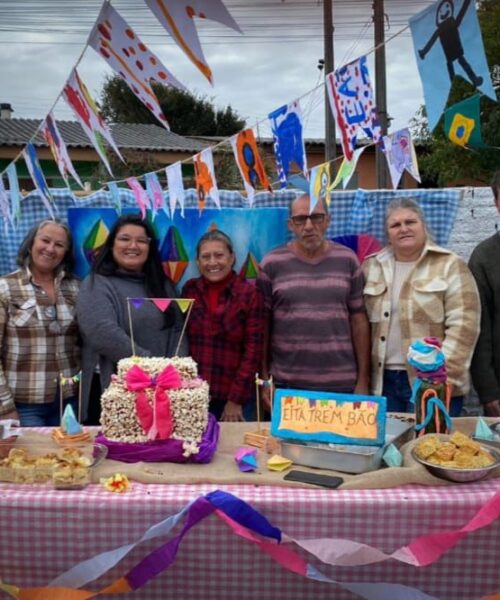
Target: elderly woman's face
x: 131, y: 248
x: 49, y: 248
x: 215, y: 261
x: 406, y: 233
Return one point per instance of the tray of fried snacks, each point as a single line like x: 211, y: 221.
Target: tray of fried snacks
x: 455, y: 457
x: 28, y: 462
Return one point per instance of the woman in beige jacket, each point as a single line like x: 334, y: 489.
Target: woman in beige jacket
x: 415, y: 289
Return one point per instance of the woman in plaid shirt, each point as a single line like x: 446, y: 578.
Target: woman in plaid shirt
x: 38, y: 331
x: 226, y: 327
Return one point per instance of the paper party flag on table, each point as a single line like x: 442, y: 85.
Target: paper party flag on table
x: 69, y: 422
x: 483, y: 430
x: 278, y: 463
x: 246, y: 459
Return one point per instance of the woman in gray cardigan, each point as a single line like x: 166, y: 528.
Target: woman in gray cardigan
x: 127, y: 266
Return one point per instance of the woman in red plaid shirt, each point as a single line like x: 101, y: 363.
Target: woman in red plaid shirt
x: 226, y: 327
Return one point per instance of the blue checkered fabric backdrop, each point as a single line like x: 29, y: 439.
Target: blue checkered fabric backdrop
x: 352, y: 212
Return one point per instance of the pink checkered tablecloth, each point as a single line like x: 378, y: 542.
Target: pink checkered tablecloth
x: 44, y: 532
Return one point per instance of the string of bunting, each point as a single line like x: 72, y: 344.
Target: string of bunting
x: 252, y: 526
x: 350, y: 97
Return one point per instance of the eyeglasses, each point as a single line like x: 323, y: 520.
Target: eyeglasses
x: 51, y: 313
x: 126, y: 239
x: 301, y: 220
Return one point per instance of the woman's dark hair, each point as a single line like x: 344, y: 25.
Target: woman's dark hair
x: 24, y: 253
x: 215, y: 235
x: 154, y: 276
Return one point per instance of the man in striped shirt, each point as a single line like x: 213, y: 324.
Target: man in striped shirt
x: 318, y: 335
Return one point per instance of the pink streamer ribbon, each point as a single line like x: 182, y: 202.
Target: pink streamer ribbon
x: 155, y: 420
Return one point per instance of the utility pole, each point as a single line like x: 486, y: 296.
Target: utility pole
x: 330, y: 142
x: 380, y: 88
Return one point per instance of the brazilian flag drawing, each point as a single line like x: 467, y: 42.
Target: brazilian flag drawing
x: 462, y: 123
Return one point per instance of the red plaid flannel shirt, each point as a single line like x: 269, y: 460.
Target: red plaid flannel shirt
x: 227, y: 344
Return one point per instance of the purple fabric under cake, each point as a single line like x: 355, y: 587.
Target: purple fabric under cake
x: 164, y: 450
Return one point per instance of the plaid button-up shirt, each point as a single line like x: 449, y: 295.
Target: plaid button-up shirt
x: 227, y: 344
x: 38, y: 341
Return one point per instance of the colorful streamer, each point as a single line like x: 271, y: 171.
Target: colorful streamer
x: 15, y: 193
x: 140, y: 195
x: 175, y: 185
x: 252, y: 526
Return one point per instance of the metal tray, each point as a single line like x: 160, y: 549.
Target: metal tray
x: 346, y: 458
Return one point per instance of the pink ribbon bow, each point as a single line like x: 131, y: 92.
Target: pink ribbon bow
x: 155, y: 420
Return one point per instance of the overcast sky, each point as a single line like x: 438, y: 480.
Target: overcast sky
x: 273, y: 62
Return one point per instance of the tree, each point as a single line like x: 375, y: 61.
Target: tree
x: 186, y: 113
x: 440, y: 160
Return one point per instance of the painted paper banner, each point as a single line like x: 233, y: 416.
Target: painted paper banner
x: 287, y: 128
x: 175, y: 186
x: 401, y: 156
x: 115, y: 194
x: 117, y: 43
x: 204, y: 175
x: 178, y: 19
x: 447, y: 42
x: 249, y: 524
x: 347, y: 168
x: 320, y: 185
x: 36, y: 173
x: 82, y: 104
x: 15, y: 193
x: 329, y: 417
x: 353, y: 106
x: 462, y: 123
x: 140, y: 194
x: 59, y: 151
x: 249, y: 162
x: 155, y: 193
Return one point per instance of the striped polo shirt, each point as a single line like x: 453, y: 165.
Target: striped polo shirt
x: 310, y: 303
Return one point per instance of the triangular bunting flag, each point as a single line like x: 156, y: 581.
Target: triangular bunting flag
x: 183, y: 304
x: 77, y: 96
x: 15, y: 193
x: 204, y: 175
x: 121, y: 48
x: 5, y: 210
x: 139, y: 193
x: 178, y: 19
x: 286, y: 125
x: 161, y: 303
x: 249, y: 162
x: 462, y: 123
x: 155, y: 192
x: 175, y: 186
x: 136, y: 302
x: 115, y: 195
x: 347, y: 168
x: 447, y: 42
x: 400, y: 154
x: 31, y: 160
x: 351, y: 101
x: 59, y: 151
x: 319, y: 185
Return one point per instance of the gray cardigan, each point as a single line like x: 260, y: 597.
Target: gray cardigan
x: 104, y: 325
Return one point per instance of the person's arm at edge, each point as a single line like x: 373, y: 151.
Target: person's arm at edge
x: 360, y: 332
x: 7, y: 406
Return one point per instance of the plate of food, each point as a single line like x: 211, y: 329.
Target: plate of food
x: 455, y: 457
x: 39, y: 462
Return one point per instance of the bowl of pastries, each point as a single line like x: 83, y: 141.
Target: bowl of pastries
x: 64, y: 468
x: 455, y: 457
